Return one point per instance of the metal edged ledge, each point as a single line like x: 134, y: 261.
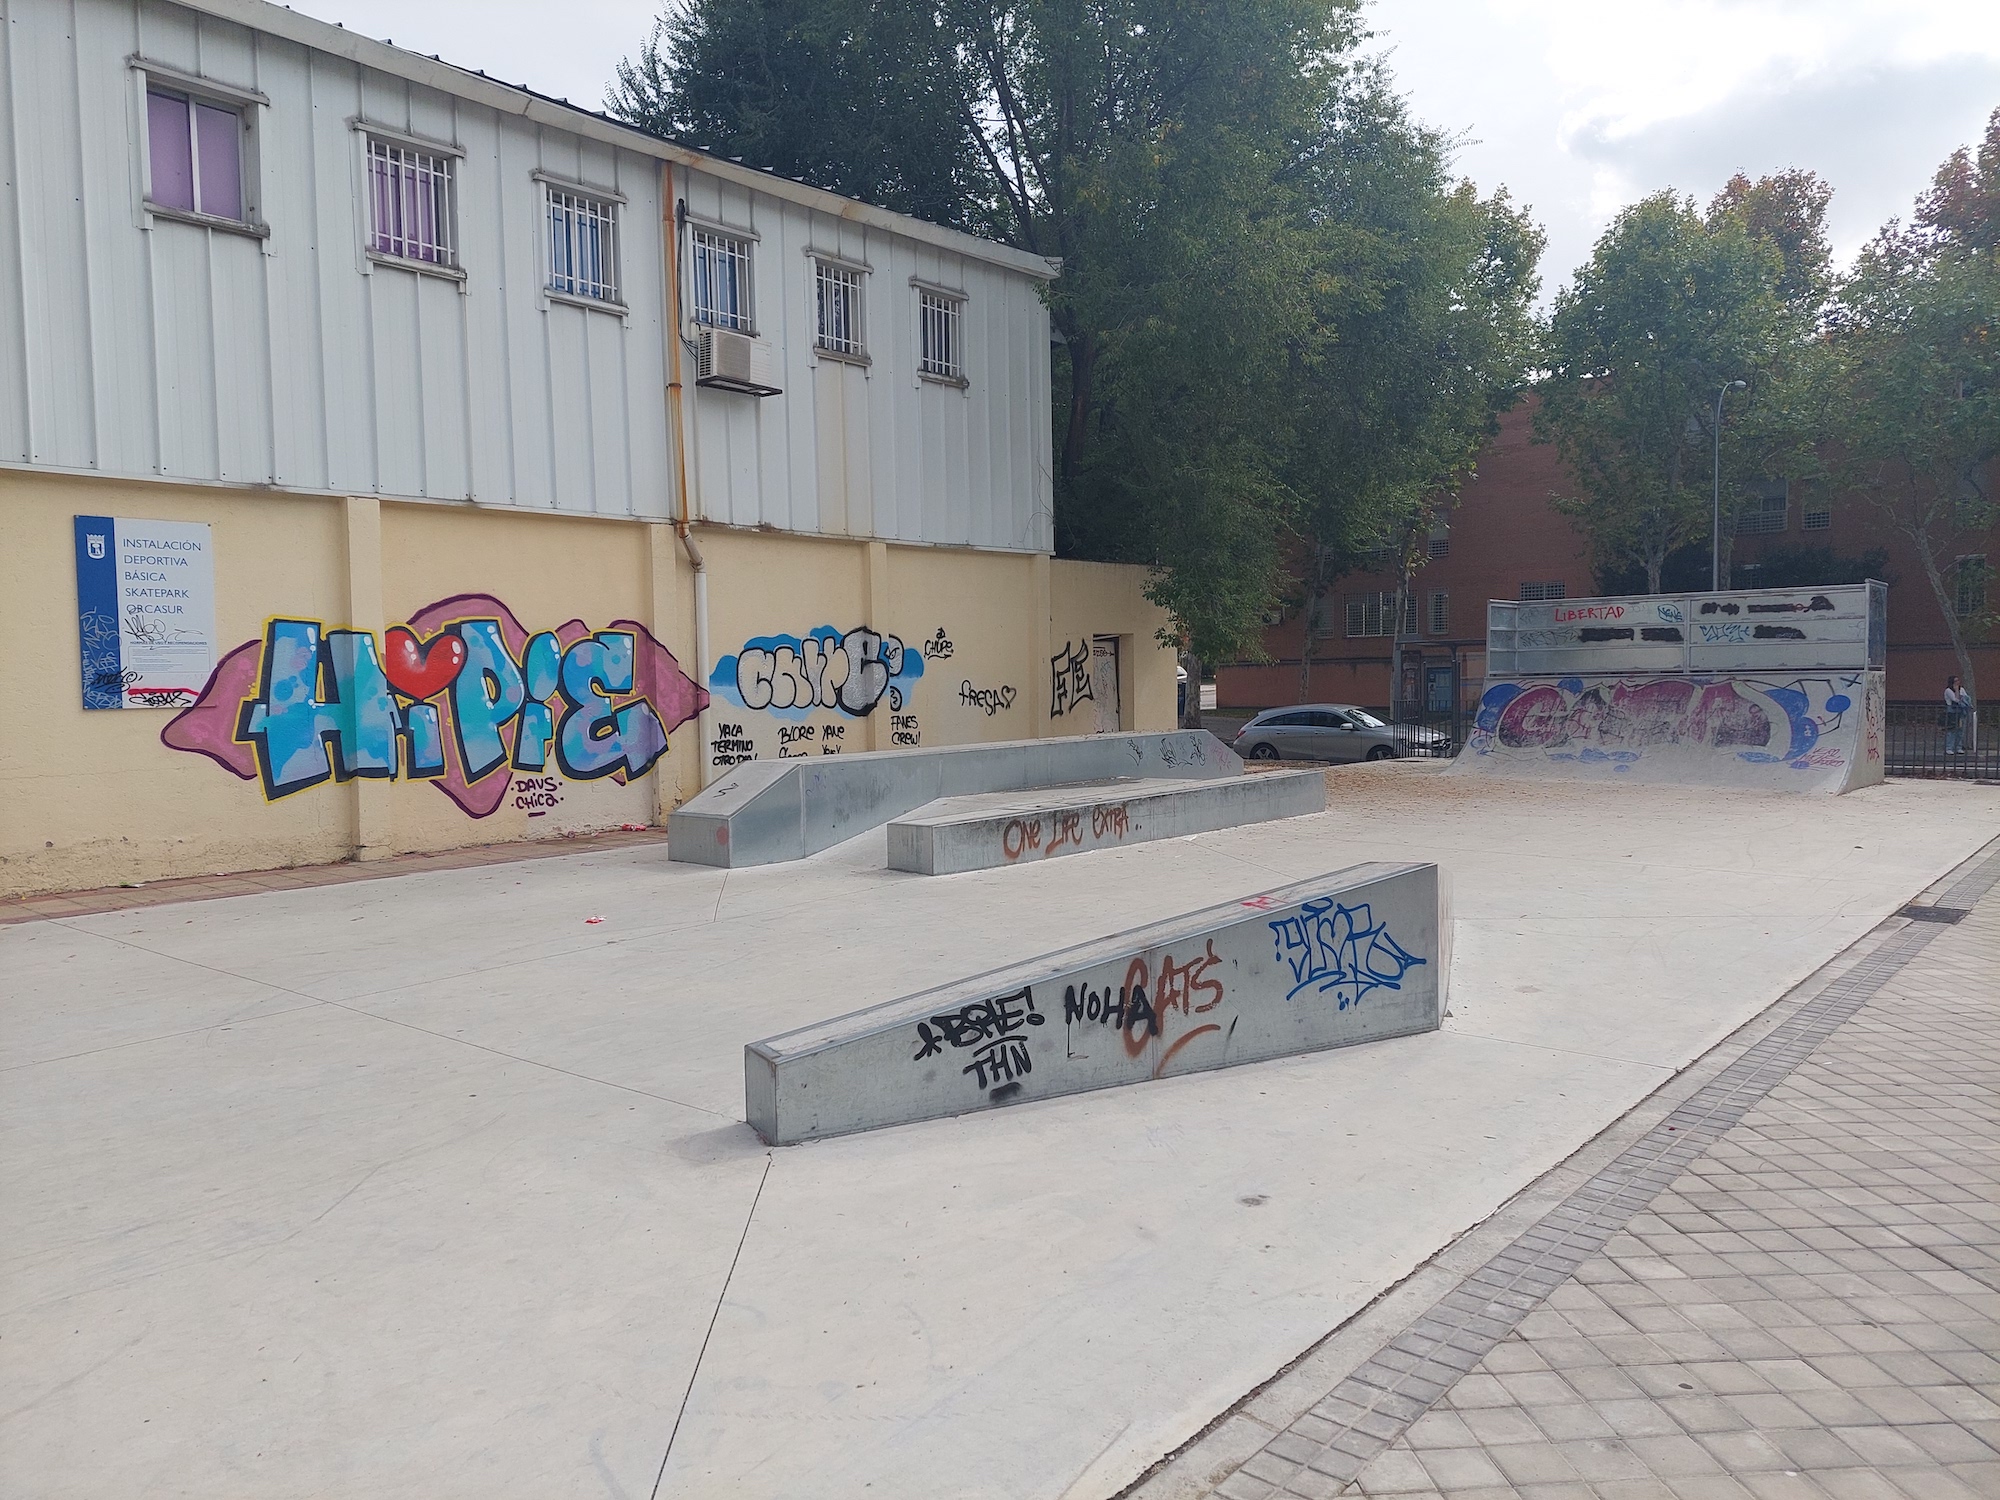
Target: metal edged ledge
x: 1356, y: 955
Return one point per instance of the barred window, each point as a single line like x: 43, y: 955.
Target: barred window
x: 1816, y: 520
x: 413, y: 204
x: 1374, y: 613
x: 1530, y: 591
x: 722, y: 281
x: 1440, y: 613
x: 583, y: 245
x: 838, y: 290
x: 1765, y: 514
x: 940, y: 318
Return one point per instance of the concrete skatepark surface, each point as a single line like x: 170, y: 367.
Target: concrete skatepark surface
x: 427, y: 1186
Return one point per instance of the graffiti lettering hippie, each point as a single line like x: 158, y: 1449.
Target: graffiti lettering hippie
x: 1069, y: 678
x: 824, y: 668
x: 458, y: 696
x: 994, y: 1032
x: 1342, y: 950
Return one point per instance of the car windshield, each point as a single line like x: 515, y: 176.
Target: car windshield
x: 1365, y: 719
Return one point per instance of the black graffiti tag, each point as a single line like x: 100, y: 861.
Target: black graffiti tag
x: 993, y: 1030
x: 1069, y: 678
x: 992, y: 700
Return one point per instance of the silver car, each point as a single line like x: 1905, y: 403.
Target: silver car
x: 1333, y: 731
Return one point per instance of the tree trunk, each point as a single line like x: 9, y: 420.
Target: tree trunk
x: 1948, y: 609
x: 1191, y: 708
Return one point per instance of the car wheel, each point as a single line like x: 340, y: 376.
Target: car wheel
x: 1263, y: 750
x: 1382, y: 752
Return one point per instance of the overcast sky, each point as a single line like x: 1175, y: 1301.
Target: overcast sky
x: 1577, y: 106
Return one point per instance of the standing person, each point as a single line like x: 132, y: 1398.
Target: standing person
x: 1957, y: 709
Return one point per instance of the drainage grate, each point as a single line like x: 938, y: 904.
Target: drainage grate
x: 1946, y: 914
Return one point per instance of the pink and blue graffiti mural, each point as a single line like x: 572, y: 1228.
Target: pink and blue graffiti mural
x: 1619, y: 721
x: 460, y: 695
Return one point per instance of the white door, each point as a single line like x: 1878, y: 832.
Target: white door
x: 1104, y: 682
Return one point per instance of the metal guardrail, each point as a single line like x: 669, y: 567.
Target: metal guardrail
x: 1918, y: 744
x: 1915, y: 739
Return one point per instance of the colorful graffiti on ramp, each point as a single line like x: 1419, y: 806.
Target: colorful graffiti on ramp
x: 1820, y: 732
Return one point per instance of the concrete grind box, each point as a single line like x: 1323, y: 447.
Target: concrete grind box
x: 1356, y: 955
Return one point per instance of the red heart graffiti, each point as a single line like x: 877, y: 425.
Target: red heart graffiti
x: 418, y: 671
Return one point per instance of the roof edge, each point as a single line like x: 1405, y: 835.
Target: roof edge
x: 506, y: 98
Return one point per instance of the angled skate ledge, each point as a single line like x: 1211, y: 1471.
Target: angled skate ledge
x: 956, y: 834
x: 769, y: 811
x: 1356, y: 955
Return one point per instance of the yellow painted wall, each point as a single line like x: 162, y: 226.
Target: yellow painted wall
x: 1090, y: 599
x: 90, y: 798
x: 94, y: 798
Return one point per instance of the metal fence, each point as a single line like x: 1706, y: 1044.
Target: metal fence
x: 1918, y: 744
x: 1916, y: 739
x: 1430, y: 731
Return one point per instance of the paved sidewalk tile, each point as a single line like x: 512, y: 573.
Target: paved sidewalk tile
x: 1802, y: 1301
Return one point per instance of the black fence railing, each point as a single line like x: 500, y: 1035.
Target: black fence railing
x: 1916, y: 740
x: 1919, y: 742
x: 1431, y: 731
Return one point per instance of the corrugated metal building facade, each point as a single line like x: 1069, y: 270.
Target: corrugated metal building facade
x: 291, y: 357
x: 355, y: 309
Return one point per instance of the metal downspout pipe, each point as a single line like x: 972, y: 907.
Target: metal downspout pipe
x: 678, y: 419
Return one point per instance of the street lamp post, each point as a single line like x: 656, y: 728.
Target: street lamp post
x: 1715, y: 515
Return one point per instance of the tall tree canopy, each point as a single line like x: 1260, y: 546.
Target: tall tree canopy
x: 1917, y: 334
x: 1672, y: 306
x: 1279, y: 315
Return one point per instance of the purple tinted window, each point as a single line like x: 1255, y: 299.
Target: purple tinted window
x: 172, y: 153
x: 218, y: 134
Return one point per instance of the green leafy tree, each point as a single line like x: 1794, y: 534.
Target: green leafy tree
x: 1669, y: 309
x: 1425, y: 292
x: 1918, y: 333
x: 1775, y: 431
x: 1196, y: 169
x: 861, y: 99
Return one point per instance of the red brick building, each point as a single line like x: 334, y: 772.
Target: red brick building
x: 1506, y: 541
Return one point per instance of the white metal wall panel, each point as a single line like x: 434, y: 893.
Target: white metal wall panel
x: 48, y: 155
x: 1744, y: 630
x: 167, y: 348
x: 880, y: 451
x: 14, y: 424
x: 138, y: 345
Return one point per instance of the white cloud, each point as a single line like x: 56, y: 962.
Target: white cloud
x: 1581, y: 106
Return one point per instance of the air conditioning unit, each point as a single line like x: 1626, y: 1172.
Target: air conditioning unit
x: 734, y: 362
